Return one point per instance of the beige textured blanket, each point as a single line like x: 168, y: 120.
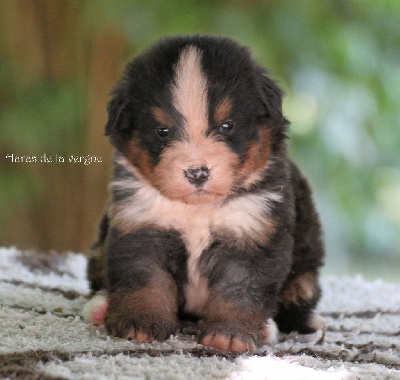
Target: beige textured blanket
x: 43, y: 335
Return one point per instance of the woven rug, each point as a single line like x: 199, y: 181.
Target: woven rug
x: 43, y: 334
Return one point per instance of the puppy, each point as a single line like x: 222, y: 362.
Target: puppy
x: 208, y: 216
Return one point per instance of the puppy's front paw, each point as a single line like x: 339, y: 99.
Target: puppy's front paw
x: 132, y: 318
x: 142, y: 328
x: 230, y: 336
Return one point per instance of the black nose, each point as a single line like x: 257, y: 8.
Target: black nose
x: 198, y: 176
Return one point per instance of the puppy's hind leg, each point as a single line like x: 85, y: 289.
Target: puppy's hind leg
x: 96, y: 270
x: 301, y: 291
x: 95, y: 310
x: 297, y: 300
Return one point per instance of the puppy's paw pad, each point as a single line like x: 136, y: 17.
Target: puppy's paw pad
x: 96, y: 309
x: 226, y: 343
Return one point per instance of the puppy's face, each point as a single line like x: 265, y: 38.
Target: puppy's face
x: 196, y: 118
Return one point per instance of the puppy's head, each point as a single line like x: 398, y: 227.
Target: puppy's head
x: 196, y: 118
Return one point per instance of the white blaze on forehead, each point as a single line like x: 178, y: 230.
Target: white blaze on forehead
x: 190, y: 92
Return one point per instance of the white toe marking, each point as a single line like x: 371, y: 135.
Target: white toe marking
x: 317, y: 322
x: 272, y: 332
x: 95, y: 305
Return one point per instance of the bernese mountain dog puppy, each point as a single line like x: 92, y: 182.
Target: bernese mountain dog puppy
x: 208, y: 217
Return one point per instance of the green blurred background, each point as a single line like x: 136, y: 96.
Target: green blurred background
x: 338, y: 62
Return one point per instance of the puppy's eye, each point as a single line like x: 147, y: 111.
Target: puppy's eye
x: 226, y: 126
x: 162, y: 132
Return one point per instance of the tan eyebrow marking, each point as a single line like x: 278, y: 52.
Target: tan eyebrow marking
x: 222, y: 111
x: 161, y: 116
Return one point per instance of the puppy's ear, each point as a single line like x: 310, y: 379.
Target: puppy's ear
x: 270, y: 96
x: 117, y: 120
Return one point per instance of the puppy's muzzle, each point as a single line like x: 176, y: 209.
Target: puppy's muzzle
x: 197, y: 176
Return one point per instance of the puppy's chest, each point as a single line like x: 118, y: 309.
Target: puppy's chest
x: 243, y: 220
x: 198, y: 229
x: 240, y: 222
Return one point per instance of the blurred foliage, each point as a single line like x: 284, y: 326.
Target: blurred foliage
x: 337, y: 60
